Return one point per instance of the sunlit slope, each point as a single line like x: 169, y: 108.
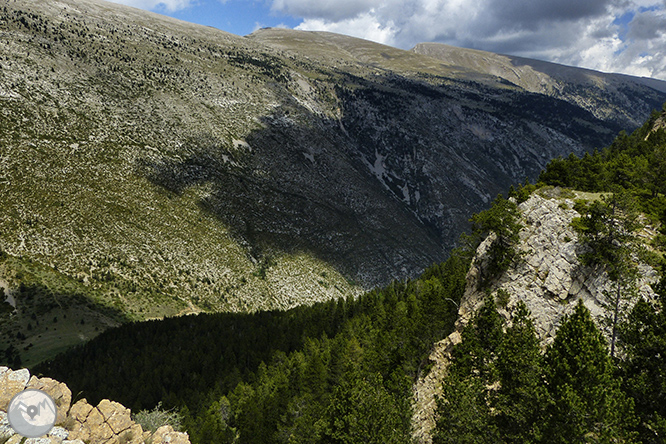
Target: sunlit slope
x: 155, y: 167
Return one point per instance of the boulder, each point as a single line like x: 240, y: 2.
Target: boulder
x: 11, y: 382
x: 108, y: 423
x: 59, y: 391
x: 166, y: 434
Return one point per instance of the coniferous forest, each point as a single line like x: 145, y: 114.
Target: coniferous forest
x: 342, y: 371
x: 635, y: 163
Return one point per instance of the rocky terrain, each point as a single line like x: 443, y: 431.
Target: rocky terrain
x: 152, y: 167
x: 548, y: 278
x: 108, y: 423
x: 607, y: 96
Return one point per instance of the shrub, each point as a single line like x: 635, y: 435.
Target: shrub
x: 152, y: 420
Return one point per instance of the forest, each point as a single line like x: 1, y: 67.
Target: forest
x: 321, y: 373
x: 635, y: 163
x: 342, y: 371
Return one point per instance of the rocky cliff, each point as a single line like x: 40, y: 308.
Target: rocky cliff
x: 548, y: 278
x: 108, y: 423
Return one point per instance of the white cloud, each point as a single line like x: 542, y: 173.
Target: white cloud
x: 581, y: 33
x: 365, y: 26
x: 168, y: 5
x: 642, y: 52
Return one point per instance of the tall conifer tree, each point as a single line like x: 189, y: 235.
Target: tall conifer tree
x: 588, y: 405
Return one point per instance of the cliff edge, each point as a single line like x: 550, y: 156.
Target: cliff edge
x: 548, y: 278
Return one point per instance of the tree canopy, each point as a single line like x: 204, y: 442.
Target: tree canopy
x: 569, y: 394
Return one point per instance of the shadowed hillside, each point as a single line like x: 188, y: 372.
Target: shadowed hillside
x: 164, y: 168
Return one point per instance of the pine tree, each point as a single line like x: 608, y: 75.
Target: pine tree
x: 608, y: 228
x: 464, y: 410
x: 502, y: 220
x: 481, y: 339
x: 522, y: 395
x: 463, y: 413
x: 587, y: 403
x: 362, y: 411
x: 644, y: 336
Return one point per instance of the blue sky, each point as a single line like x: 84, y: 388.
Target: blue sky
x: 237, y: 17
x: 627, y: 36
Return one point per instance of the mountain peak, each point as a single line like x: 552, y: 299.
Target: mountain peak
x: 574, y: 85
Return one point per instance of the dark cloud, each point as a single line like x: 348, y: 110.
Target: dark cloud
x: 530, y: 13
x: 647, y: 26
x: 332, y: 10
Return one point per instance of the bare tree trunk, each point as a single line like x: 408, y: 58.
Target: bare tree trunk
x: 616, y: 310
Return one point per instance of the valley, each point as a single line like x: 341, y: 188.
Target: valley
x: 170, y: 168
x: 298, y: 236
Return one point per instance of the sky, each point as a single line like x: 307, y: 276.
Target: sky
x: 625, y: 36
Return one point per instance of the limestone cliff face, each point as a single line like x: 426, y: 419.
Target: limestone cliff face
x: 108, y: 423
x: 548, y: 278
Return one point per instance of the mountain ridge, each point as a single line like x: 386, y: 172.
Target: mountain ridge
x: 153, y: 167
x: 548, y: 278
x: 548, y: 78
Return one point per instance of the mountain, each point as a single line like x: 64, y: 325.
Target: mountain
x: 301, y: 374
x: 606, y: 96
x: 603, y: 245
x: 153, y: 167
x: 541, y: 267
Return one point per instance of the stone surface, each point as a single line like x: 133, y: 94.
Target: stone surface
x: 116, y: 415
x: 15, y: 439
x: 59, y: 391
x: 166, y: 434
x: 430, y: 387
x: 59, y: 432
x: 42, y: 441
x: 548, y: 278
x: 80, y: 410
x: 10, y: 384
x: 108, y: 423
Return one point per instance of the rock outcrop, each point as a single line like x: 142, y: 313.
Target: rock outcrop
x: 548, y: 278
x: 108, y: 423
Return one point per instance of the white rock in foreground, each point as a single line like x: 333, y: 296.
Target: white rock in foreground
x: 108, y: 423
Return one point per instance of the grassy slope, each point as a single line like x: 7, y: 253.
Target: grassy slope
x: 87, y: 105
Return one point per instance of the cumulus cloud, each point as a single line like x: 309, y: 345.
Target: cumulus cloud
x: 364, y: 25
x: 648, y: 25
x: 168, y: 5
x: 610, y: 35
x: 529, y: 13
